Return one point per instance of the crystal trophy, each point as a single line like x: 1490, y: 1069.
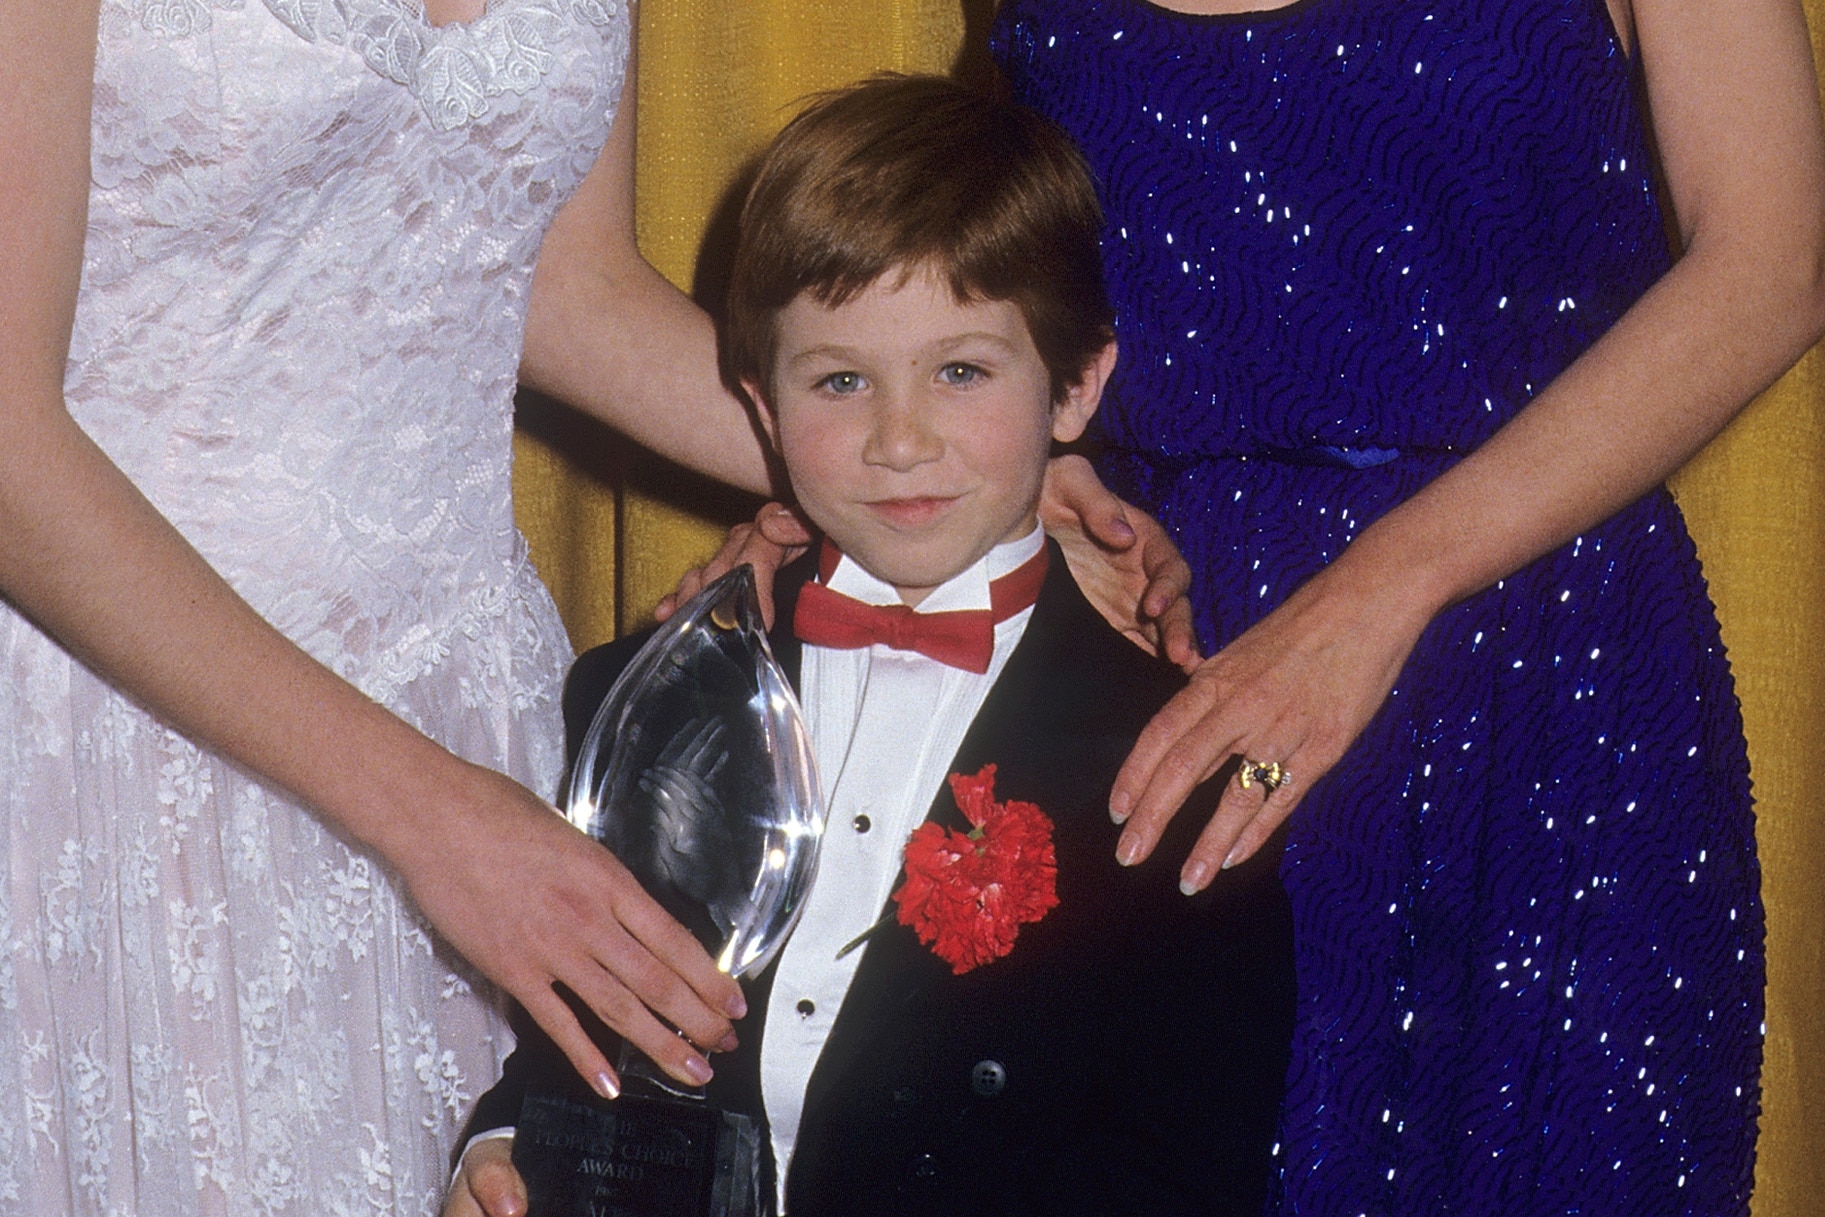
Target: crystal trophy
x: 697, y: 773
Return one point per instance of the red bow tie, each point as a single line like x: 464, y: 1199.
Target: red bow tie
x: 964, y: 638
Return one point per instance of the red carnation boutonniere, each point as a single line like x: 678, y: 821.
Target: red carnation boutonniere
x: 968, y: 894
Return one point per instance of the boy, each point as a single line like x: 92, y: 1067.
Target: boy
x: 917, y: 308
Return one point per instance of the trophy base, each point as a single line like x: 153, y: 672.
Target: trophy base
x: 636, y: 1157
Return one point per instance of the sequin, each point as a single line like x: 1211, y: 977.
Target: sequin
x: 1495, y: 891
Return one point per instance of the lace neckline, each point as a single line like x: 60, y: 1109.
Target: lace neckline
x: 455, y: 70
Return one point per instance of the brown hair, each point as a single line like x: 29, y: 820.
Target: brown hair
x: 919, y: 172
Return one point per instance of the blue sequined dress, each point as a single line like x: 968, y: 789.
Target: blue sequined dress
x: 1348, y: 240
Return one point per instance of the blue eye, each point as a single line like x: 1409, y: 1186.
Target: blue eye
x: 841, y: 382
x: 960, y: 374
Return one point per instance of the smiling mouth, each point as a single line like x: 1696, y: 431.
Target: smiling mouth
x: 911, y: 512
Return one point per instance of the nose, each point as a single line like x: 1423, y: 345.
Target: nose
x: 902, y: 435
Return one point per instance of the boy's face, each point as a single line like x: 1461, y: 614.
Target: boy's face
x: 916, y: 429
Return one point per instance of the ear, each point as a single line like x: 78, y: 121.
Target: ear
x: 1074, y: 410
x: 769, y: 421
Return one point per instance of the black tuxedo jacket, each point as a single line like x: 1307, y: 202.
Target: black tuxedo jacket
x: 1127, y: 1056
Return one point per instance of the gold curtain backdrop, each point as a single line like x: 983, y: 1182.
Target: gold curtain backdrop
x: 612, y: 529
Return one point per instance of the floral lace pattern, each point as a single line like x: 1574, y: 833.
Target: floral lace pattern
x: 453, y: 70
x: 303, y: 295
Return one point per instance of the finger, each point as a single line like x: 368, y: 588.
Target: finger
x: 1168, y: 581
x: 764, y: 593
x: 1303, y: 771
x: 669, y: 942
x: 1176, y: 719
x: 461, y: 1202
x: 784, y: 527
x: 1178, y: 638
x: 638, y: 956
x: 690, y: 990
x: 1073, y: 489
x: 1105, y: 517
x: 1185, y: 767
x: 640, y: 946
x: 1273, y: 813
x: 1107, y: 523
x: 726, y: 559
x: 627, y: 1014
x: 764, y: 558
x: 640, y: 983
x: 556, y: 1020
x: 775, y: 538
x: 495, y: 1184
x: 1192, y: 758
x: 689, y: 584
x: 780, y: 535
x: 626, y: 976
x: 1243, y: 814
x: 1168, y: 574
x: 665, y: 1047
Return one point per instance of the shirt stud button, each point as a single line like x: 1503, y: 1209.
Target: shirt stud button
x: 806, y: 1007
x: 925, y: 1167
x: 989, y: 1078
x: 862, y: 823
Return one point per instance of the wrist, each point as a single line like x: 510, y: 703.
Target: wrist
x: 403, y: 785
x: 1400, y: 585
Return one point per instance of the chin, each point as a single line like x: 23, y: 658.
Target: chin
x: 891, y: 564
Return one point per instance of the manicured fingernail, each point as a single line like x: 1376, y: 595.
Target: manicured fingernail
x: 1234, y: 856
x: 1193, y: 878
x: 728, y: 1043
x: 736, y: 1007
x: 1128, y: 849
x: 1122, y: 528
x: 699, y: 1069
x: 606, y: 1086
x: 1120, y: 808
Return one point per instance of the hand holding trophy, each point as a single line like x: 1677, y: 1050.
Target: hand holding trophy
x: 697, y: 773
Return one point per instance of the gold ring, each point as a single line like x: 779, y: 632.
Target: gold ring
x: 1269, y: 773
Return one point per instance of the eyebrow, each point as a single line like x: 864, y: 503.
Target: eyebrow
x: 840, y: 353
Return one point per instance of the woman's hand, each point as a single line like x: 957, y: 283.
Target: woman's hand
x: 532, y: 902
x: 1295, y: 690
x: 486, y: 1184
x: 1122, y: 559
x: 776, y: 537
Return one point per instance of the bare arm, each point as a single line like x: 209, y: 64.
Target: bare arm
x: 1735, y: 108
x: 610, y: 335
x: 84, y: 553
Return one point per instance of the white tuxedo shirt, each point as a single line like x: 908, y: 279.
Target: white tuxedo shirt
x: 884, y: 727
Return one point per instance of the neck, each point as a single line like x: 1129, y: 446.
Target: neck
x: 913, y: 597
x: 1003, y: 558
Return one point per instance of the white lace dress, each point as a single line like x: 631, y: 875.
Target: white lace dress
x: 311, y: 233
